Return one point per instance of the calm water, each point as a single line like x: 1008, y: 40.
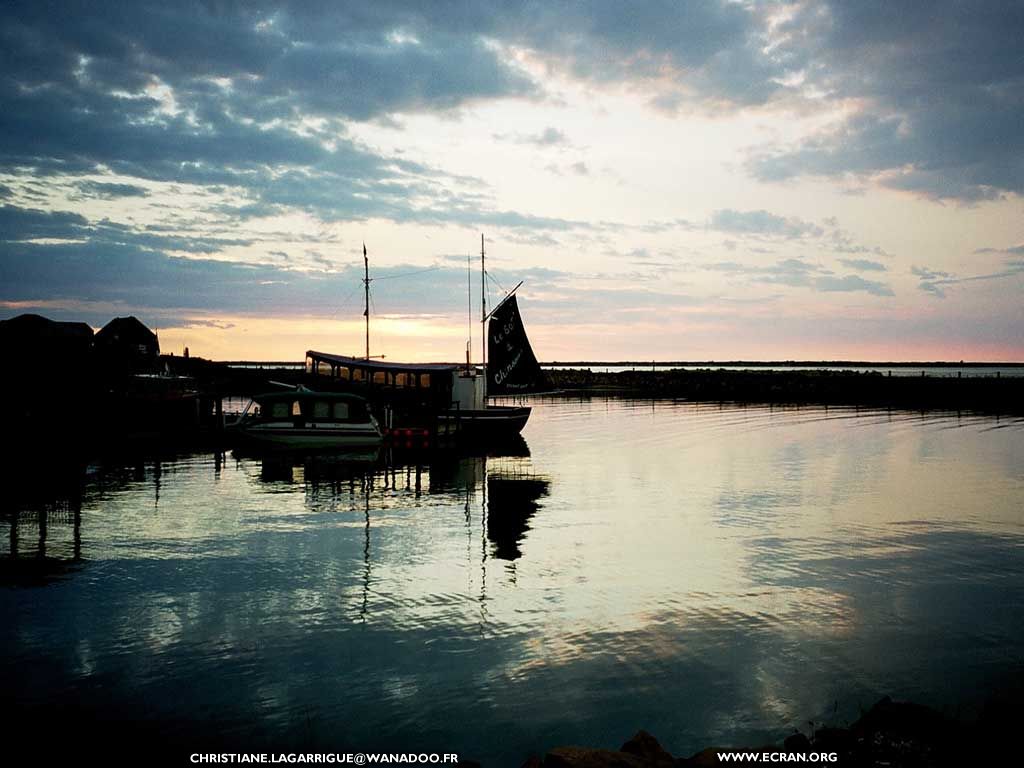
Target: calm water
x: 713, y: 575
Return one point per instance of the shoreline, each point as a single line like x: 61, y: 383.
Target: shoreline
x: 895, y: 734
x: 991, y: 395
x: 831, y: 364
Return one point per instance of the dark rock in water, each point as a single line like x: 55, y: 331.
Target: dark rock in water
x: 583, y: 757
x: 833, y: 740
x: 895, y: 734
x: 647, y: 748
x: 900, y: 733
x: 797, y: 743
x: 641, y: 751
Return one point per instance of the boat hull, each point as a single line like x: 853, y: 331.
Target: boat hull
x: 309, y: 438
x: 491, y: 423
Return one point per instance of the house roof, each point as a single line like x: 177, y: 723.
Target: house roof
x: 126, y: 329
x: 36, y: 327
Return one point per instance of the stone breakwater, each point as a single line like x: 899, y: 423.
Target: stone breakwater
x: 1003, y: 395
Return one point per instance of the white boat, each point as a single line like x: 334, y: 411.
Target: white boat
x: 305, y: 419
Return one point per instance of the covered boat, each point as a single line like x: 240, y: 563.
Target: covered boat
x: 306, y: 419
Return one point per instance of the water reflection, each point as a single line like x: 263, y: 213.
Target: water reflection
x: 513, y: 501
x: 42, y: 511
x: 500, y: 485
x: 710, y: 573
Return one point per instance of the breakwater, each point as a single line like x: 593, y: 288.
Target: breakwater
x: 995, y: 394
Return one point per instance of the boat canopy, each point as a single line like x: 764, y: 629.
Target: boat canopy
x: 375, y: 365
x: 405, y: 385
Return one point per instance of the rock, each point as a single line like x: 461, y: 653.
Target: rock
x: 705, y: 757
x: 797, y: 743
x: 583, y: 757
x: 833, y: 740
x: 647, y: 748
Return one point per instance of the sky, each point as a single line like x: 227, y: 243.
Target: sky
x: 714, y: 180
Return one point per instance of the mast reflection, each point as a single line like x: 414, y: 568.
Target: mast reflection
x: 496, y: 490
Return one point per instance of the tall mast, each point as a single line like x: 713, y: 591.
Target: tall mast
x: 483, y: 311
x: 366, y: 312
x: 469, y: 312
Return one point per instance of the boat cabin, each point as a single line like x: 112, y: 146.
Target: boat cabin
x: 303, y: 407
x: 403, y: 387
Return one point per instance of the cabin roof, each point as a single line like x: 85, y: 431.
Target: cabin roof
x: 307, y: 394
x: 377, y: 365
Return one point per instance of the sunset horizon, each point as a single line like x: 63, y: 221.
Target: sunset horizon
x: 727, y: 180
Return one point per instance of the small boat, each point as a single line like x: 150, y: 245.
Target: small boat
x: 305, y: 419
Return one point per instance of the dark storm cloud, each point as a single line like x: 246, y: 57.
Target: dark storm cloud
x: 941, y: 92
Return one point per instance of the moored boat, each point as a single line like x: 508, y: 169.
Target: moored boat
x: 308, y: 420
x: 448, y: 400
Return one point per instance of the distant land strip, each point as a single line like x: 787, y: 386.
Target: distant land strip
x: 777, y: 364
x: 984, y: 394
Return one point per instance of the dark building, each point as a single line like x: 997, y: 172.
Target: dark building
x: 125, y: 343
x: 38, y: 342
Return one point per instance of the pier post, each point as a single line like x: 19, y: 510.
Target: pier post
x: 218, y: 412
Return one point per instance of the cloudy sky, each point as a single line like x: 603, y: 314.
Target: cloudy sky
x: 730, y: 179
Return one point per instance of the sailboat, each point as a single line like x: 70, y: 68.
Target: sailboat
x: 445, y: 400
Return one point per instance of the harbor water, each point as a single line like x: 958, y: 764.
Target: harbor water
x: 712, y: 574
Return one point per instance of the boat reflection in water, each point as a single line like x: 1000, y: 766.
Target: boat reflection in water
x: 497, y: 484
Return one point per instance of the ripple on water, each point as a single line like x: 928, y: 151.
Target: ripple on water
x: 708, y: 572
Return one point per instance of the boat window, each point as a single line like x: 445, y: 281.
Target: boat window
x: 380, y: 377
x: 296, y: 408
x: 425, y: 380
x: 358, y: 374
x: 279, y: 410
x: 323, y: 369
x: 343, y: 372
x: 321, y: 409
x: 309, y: 365
x: 341, y: 411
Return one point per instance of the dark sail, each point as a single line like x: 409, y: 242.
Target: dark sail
x: 512, y: 368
